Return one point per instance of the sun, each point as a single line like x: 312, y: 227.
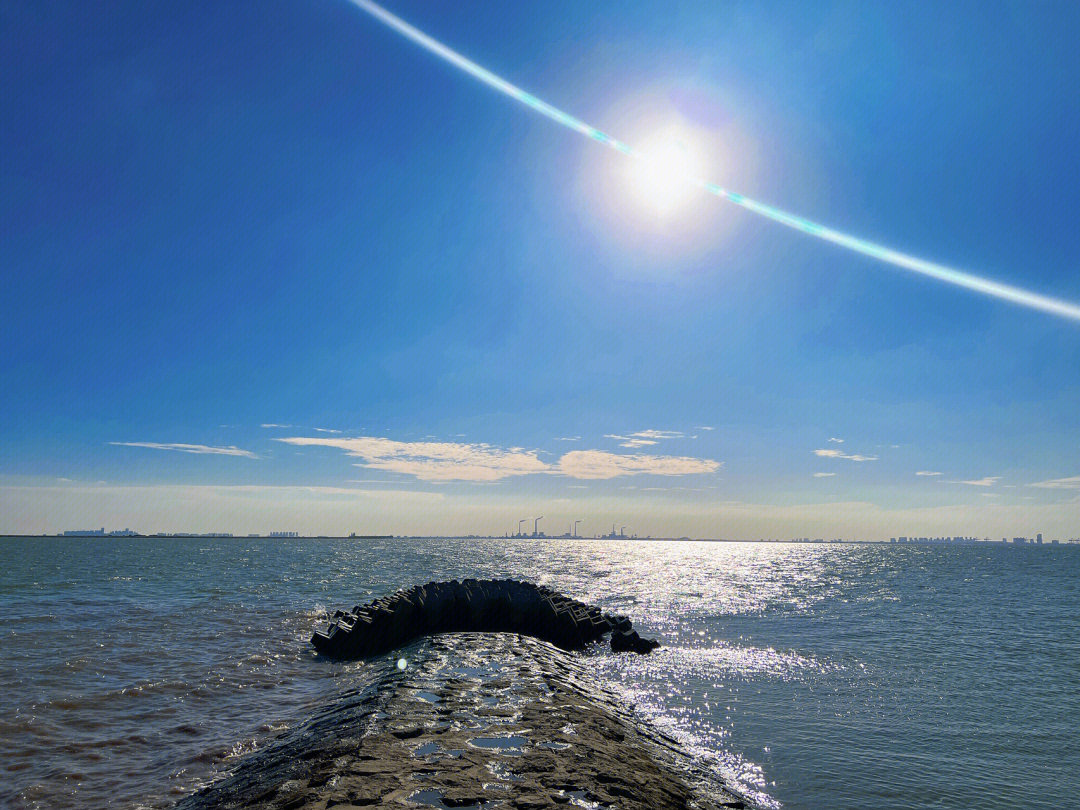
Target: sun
x: 649, y: 198
x: 664, y: 177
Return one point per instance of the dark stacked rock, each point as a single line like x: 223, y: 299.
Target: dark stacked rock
x: 630, y: 641
x: 474, y: 605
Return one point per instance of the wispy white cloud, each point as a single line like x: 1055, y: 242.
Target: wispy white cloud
x: 278, y: 425
x: 1073, y: 482
x: 836, y: 440
x: 568, y: 438
x: 824, y: 475
x: 449, y: 461
x: 831, y: 453
x: 988, y: 481
x: 704, y: 427
x: 645, y: 438
x: 433, y: 461
x: 598, y: 464
x: 629, y: 441
x: 200, y: 449
x: 927, y: 472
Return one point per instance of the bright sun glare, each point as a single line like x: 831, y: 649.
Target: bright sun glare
x: 663, y: 178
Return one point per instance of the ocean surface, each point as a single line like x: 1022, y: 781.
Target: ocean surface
x: 810, y: 676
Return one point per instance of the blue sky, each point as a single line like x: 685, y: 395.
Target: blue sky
x: 223, y: 216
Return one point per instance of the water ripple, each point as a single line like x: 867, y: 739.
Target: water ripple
x: 849, y: 677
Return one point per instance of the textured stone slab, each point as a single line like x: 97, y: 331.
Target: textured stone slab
x: 475, y: 720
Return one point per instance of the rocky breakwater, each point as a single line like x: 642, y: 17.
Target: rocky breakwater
x: 477, y: 606
x: 489, y: 722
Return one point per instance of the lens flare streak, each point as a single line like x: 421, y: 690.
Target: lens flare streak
x: 959, y: 278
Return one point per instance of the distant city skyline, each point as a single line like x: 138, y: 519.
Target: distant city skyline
x: 614, y: 534
x: 302, y: 273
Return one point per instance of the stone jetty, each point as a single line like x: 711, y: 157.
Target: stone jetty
x: 477, y: 606
x: 489, y: 722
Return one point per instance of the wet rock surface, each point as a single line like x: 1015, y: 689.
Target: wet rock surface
x: 473, y: 720
x: 474, y: 605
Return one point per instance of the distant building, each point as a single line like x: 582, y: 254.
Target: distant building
x: 85, y: 532
x: 956, y: 539
x: 284, y: 534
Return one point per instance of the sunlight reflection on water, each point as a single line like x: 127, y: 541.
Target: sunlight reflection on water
x: 850, y: 676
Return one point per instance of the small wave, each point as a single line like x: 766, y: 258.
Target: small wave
x: 209, y: 756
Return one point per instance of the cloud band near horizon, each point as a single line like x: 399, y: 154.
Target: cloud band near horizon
x: 456, y: 461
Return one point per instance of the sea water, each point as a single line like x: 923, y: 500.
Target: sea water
x: 133, y: 670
